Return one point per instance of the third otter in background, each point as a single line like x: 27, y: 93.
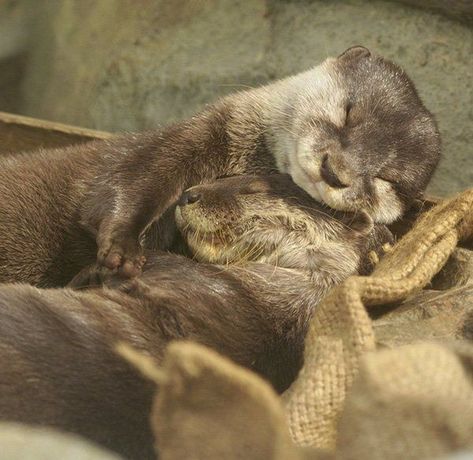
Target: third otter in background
x: 352, y: 132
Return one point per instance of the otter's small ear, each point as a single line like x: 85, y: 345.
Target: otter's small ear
x: 355, y: 52
x: 362, y: 223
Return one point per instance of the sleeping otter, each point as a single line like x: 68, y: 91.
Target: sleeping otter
x: 252, y: 304
x: 352, y: 132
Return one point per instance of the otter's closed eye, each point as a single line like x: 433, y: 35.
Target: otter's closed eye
x: 348, y: 109
x: 385, y: 179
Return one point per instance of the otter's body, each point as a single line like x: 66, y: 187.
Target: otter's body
x: 351, y: 132
x: 56, y: 346
x: 253, y: 305
x: 41, y: 241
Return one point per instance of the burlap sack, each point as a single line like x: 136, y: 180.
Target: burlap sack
x: 415, y: 402
x: 410, y: 402
x: 342, y: 329
x: 209, y: 408
x: 340, y: 333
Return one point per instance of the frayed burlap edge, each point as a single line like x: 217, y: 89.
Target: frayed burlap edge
x: 341, y: 330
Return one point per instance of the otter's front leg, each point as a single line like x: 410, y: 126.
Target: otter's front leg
x: 139, y: 186
x: 120, y: 231
x: 120, y: 209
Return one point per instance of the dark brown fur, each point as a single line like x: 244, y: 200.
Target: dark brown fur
x: 59, y: 369
x: 363, y: 141
x: 56, y: 345
x: 41, y: 194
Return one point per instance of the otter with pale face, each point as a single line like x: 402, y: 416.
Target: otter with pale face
x: 356, y: 135
x: 352, y: 132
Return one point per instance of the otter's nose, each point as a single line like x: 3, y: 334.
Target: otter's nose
x: 189, y: 197
x: 329, y: 175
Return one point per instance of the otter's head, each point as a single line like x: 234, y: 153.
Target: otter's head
x: 269, y: 219
x: 357, y: 135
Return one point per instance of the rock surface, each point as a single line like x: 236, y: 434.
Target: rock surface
x: 127, y: 65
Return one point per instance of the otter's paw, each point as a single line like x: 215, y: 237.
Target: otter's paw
x: 124, y: 255
x: 92, y: 276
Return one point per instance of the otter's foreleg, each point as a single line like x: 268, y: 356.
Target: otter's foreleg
x: 137, y: 188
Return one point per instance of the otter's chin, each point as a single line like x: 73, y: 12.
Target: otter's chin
x: 205, y: 250
x: 305, y: 181
x: 205, y: 246
x: 335, y: 198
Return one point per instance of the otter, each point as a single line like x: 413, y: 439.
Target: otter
x: 352, y: 132
x: 250, y: 298
x: 41, y: 240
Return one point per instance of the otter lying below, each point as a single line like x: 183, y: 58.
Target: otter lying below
x: 252, y: 304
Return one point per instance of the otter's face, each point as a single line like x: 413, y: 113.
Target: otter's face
x: 360, y: 137
x: 267, y: 219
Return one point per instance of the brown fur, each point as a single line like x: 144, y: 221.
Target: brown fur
x: 59, y: 369
x: 56, y: 345
x: 269, y: 219
x: 41, y: 239
x: 352, y: 132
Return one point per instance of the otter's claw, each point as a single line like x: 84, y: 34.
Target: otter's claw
x: 124, y: 256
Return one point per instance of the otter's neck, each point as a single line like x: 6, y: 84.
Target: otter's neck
x: 268, y: 113
x: 259, y: 128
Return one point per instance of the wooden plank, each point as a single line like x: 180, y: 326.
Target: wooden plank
x: 19, y: 133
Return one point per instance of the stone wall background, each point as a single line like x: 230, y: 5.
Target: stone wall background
x: 134, y: 64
